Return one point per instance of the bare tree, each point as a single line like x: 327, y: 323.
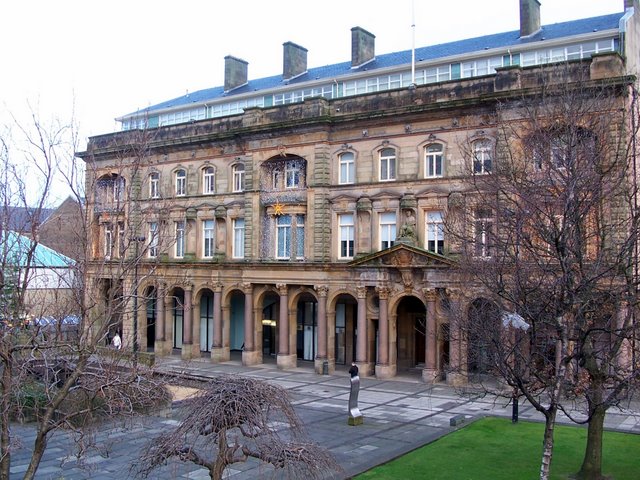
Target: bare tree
x: 233, y: 418
x: 54, y: 343
x: 548, y: 233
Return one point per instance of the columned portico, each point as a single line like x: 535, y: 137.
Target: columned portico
x: 383, y: 367
x: 430, y: 370
x: 219, y: 352
x: 321, y: 356
x: 187, y: 341
x: 285, y: 358
x: 250, y: 356
x: 160, y: 340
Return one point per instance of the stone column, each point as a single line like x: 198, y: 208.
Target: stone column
x: 284, y: 359
x: 364, y: 365
x: 457, y: 374
x: 249, y: 355
x: 168, y: 324
x: 218, y: 353
x: 430, y: 370
x: 187, y: 339
x: 321, y: 355
x: 159, y: 347
x: 383, y: 369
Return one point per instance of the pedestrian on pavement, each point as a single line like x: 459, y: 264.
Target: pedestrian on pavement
x: 117, y: 341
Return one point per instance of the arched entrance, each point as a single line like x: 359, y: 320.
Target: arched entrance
x: 206, y: 320
x: 346, y: 312
x: 151, y: 309
x: 236, y: 320
x: 178, y: 317
x: 411, y: 327
x: 484, y: 336
x: 306, y: 327
x: 270, y: 315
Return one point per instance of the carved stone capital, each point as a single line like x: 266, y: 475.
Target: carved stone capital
x: 430, y: 294
x: 247, y: 288
x: 282, y: 288
x: 217, y: 287
x: 361, y: 292
x: 383, y: 292
x: 322, y: 290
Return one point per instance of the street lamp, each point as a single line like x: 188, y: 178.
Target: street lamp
x: 137, y: 240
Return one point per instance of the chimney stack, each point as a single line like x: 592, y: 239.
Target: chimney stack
x: 529, y: 17
x: 294, y: 61
x: 628, y: 4
x: 235, y: 72
x: 362, y: 47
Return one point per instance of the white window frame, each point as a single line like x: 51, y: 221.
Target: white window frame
x: 181, y: 182
x: 387, y: 164
x: 292, y: 175
x: 432, y: 159
x: 238, y: 238
x: 180, y: 238
x: 208, y: 180
x: 283, y: 235
x: 108, y: 240
x: 346, y: 236
x: 154, y: 185
x: 208, y: 238
x: 299, y: 236
x: 434, y: 231
x: 482, y: 157
x: 347, y: 170
x: 238, y: 177
x: 153, y: 240
x: 388, y: 229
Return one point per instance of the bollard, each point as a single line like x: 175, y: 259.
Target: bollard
x: 325, y: 368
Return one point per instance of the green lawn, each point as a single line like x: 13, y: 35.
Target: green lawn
x: 494, y: 448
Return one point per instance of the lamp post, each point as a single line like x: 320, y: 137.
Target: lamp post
x: 137, y: 240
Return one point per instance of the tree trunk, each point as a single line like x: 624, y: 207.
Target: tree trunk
x: 5, y: 436
x: 591, y: 468
x: 547, y: 444
x: 221, y: 460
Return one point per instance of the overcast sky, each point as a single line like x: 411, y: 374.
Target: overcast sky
x: 109, y: 58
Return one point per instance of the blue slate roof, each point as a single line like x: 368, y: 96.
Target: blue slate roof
x: 461, y: 47
x: 17, y: 248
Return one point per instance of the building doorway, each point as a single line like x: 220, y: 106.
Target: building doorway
x: 410, y: 327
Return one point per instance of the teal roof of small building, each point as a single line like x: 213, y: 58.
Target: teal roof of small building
x: 16, y: 247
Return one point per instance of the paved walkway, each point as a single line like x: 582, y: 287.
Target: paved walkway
x: 399, y: 416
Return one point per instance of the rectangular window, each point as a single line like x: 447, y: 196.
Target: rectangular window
x: 283, y: 237
x: 208, y: 180
x: 154, y: 185
x: 292, y: 174
x: 153, y: 239
x: 347, y: 168
x: 180, y: 239
x: 181, y: 183
x: 387, y: 164
x: 208, y: 239
x: 387, y: 229
x: 122, y: 245
x: 347, y: 235
x: 435, y: 232
x: 482, y: 156
x: 238, y: 178
x: 108, y: 240
x: 238, y: 238
x: 433, y: 160
x: 483, y: 229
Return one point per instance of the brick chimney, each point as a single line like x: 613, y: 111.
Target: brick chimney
x: 235, y: 72
x: 294, y: 60
x: 628, y: 4
x: 363, y: 48
x: 529, y: 17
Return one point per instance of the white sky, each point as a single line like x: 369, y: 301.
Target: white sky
x: 114, y: 57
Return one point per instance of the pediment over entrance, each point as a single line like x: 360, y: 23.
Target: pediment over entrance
x: 402, y: 256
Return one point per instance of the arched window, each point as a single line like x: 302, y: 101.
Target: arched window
x: 181, y: 183
x: 208, y: 180
x: 482, y: 156
x: 387, y: 164
x: 154, y: 185
x: 238, y: 177
x: 109, y: 191
x: 433, y: 160
x: 347, y: 168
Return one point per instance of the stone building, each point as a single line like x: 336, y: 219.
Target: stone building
x: 301, y: 216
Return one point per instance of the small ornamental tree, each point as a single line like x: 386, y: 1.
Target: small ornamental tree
x: 233, y: 418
